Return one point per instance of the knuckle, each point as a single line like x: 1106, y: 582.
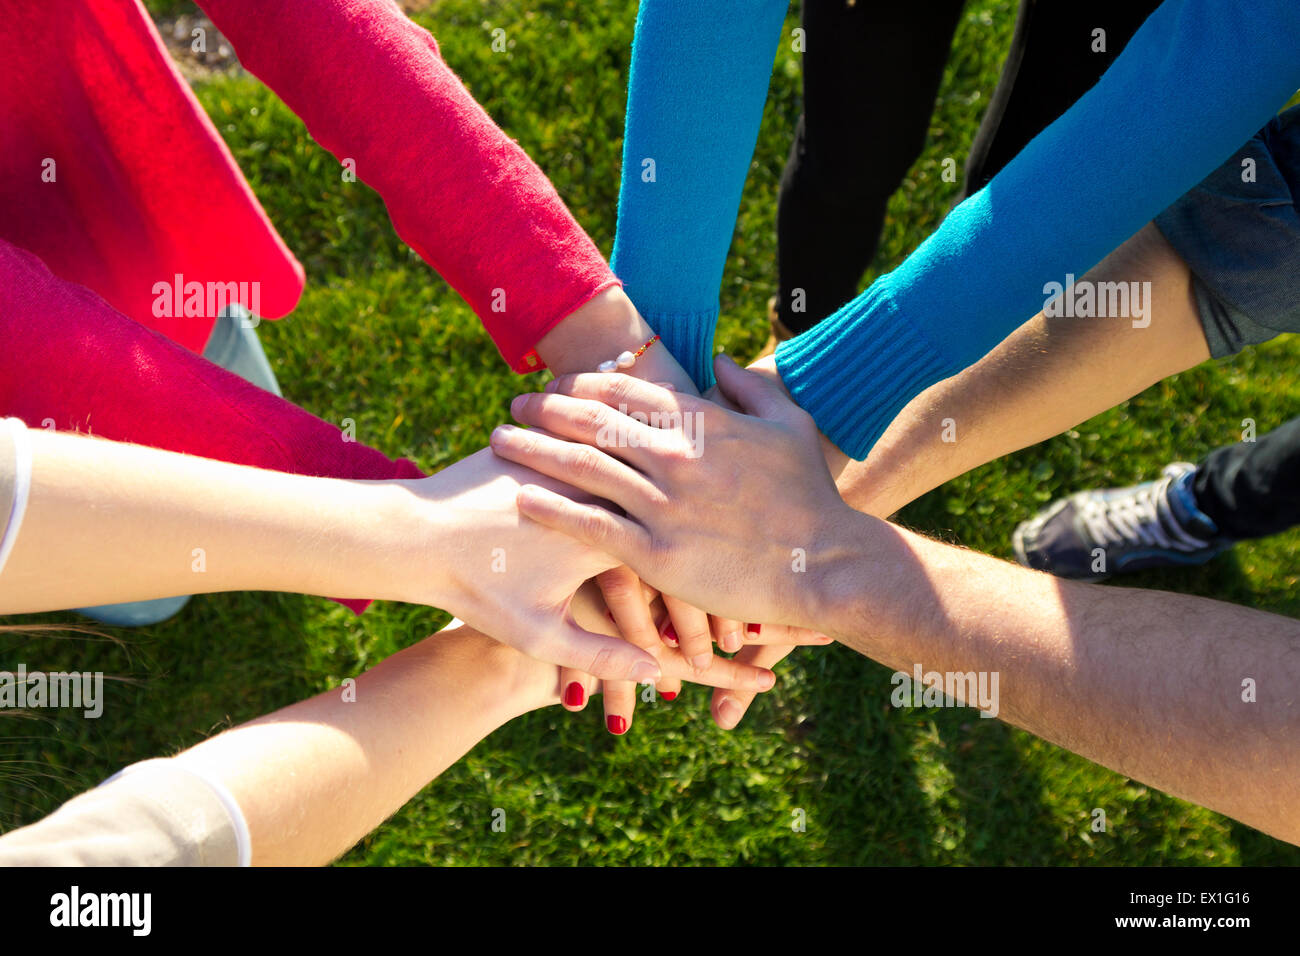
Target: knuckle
x: 600, y: 661
x: 589, y: 417
x: 592, y: 526
x: 581, y: 462
x: 526, y: 441
x: 661, y: 507
x: 697, y: 635
x: 677, y: 452
x: 618, y: 588
x: 616, y: 389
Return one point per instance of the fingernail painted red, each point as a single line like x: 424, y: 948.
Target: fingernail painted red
x: 616, y: 724
x: 754, y: 629
x: 573, y: 695
x: 669, y: 695
x: 670, y: 634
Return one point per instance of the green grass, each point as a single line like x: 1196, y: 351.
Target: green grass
x: 379, y: 338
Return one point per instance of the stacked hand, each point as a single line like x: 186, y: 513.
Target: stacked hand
x: 640, y: 620
x: 668, y: 534
x: 480, y: 544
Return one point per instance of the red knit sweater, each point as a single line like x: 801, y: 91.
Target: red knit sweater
x: 114, y: 185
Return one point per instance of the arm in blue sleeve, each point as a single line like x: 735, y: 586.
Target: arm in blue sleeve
x: 698, y: 80
x: 1196, y: 81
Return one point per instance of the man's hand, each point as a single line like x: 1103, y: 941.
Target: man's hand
x: 689, y: 501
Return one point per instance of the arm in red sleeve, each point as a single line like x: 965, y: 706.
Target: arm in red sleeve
x: 372, y: 87
x: 70, y: 359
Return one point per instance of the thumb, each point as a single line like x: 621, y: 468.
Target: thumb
x: 752, y: 393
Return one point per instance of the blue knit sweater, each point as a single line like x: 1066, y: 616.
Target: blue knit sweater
x: 1196, y: 81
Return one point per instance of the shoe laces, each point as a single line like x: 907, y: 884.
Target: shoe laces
x: 1141, y: 517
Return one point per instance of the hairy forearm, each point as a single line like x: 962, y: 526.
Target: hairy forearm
x: 109, y: 522
x: 1194, y: 696
x: 1047, y: 376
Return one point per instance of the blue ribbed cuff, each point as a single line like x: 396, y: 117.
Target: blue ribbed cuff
x: 689, y: 337
x: 854, y: 371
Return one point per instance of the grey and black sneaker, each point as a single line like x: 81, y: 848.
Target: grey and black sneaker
x: 1094, y: 534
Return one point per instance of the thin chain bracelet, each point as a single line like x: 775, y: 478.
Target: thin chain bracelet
x: 626, y: 359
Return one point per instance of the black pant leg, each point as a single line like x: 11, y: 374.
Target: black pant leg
x: 871, y: 71
x: 1252, y: 489
x: 1051, y: 64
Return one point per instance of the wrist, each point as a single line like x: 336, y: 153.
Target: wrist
x: 835, y: 459
x: 396, y: 545
x: 508, y: 683
x: 601, y: 329
x: 858, y: 579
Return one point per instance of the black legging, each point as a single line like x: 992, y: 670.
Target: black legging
x: 1252, y: 489
x: 871, y: 71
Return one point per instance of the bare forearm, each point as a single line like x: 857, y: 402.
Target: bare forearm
x: 314, y: 778
x: 1046, y: 377
x: 109, y: 521
x: 1194, y: 696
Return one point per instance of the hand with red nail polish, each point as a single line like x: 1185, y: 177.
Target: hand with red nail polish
x: 765, y: 646
x: 513, y: 579
x: 574, y: 695
x: 637, y: 615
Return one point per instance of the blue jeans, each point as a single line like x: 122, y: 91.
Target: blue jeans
x: 1241, y: 240
x: 1239, y: 232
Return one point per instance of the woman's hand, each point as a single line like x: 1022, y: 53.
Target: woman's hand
x: 639, y: 614
x: 591, y: 610
x: 765, y: 647
x: 503, y: 574
x: 689, y: 504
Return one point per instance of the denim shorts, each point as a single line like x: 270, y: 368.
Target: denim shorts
x: 1241, y: 240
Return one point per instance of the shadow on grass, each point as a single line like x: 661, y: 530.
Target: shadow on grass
x: 917, y: 786
x: 1000, y: 800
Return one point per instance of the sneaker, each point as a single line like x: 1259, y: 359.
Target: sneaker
x: 1093, y: 534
